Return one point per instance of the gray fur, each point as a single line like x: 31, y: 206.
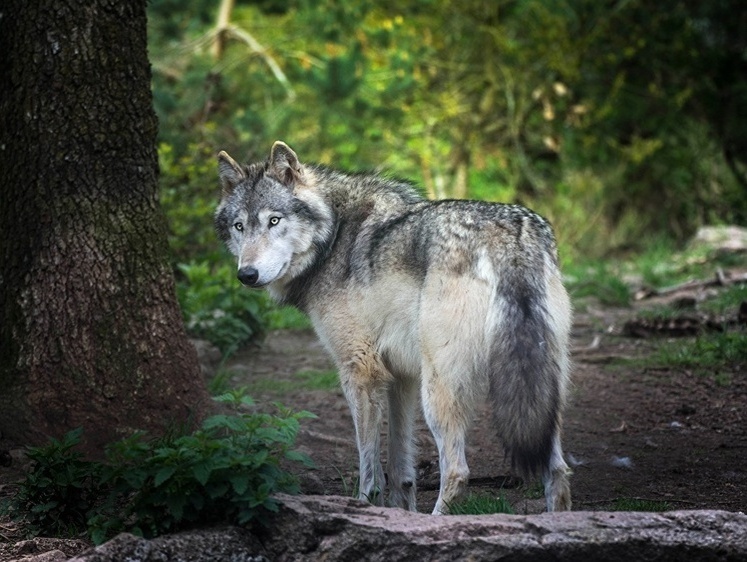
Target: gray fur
x: 456, y: 299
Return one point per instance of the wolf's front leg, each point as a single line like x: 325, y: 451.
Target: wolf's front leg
x: 400, y: 465
x: 365, y: 398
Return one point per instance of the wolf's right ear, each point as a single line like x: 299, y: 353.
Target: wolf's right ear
x: 229, y: 171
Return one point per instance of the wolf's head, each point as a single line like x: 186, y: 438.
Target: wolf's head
x: 271, y: 217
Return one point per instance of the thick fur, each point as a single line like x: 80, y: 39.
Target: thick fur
x: 447, y: 300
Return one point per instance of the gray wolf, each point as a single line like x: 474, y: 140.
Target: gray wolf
x: 451, y: 300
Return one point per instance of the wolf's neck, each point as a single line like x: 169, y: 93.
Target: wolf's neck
x: 344, y: 190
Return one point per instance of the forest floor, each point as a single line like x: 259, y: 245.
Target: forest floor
x: 636, y: 436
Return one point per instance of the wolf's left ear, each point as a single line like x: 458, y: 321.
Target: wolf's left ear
x: 284, y: 164
x: 229, y: 171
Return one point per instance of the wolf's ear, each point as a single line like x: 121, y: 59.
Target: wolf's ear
x: 229, y: 171
x: 284, y: 164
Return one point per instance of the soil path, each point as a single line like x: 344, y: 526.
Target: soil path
x: 631, y: 433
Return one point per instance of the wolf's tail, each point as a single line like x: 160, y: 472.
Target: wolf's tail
x: 528, y: 364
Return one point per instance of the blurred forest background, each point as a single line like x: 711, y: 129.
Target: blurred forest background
x: 622, y: 121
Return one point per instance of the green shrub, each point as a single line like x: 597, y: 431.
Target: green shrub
x: 226, y: 471
x: 57, y: 494
x: 216, y: 308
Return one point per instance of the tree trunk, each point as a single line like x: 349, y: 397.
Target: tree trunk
x: 90, y: 331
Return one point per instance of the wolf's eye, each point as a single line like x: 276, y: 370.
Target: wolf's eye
x: 238, y: 226
x: 274, y: 221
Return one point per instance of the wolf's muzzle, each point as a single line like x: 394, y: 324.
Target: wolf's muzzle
x: 248, y: 276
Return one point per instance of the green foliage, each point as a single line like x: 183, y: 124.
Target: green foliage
x: 716, y: 354
x: 600, y: 280
x: 623, y: 125
x: 189, y: 193
x: 57, y: 493
x: 226, y: 471
x: 217, y: 308
x: 727, y: 301
x: 481, y: 504
x: 285, y: 318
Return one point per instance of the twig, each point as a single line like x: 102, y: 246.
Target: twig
x: 591, y: 347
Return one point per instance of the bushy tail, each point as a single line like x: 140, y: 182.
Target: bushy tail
x: 527, y: 367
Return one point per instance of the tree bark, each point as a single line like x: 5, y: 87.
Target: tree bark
x: 90, y: 330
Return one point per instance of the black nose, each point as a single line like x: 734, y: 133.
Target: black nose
x: 248, y: 275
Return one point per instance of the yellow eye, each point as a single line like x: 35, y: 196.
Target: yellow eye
x: 274, y: 221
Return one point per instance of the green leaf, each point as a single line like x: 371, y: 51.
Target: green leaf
x: 240, y: 483
x: 202, y: 472
x: 164, y: 474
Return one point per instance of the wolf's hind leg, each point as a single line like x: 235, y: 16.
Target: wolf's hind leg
x: 555, y: 479
x: 400, y: 465
x: 448, y: 415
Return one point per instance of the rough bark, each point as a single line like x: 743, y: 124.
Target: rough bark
x: 90, y: 330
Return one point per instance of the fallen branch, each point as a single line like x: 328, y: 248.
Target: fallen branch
x: 327, y: 438
x: 719, y: 280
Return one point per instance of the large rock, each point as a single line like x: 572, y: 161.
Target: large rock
x: 721, y: 238
x: 341, y: 529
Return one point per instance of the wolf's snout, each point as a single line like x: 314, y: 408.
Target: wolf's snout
x: 248, y: 275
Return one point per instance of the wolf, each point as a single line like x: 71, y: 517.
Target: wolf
x: 451, y: 300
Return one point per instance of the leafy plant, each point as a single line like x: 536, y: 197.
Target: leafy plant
x: 227, y: 470
x: 216, y: 308
x: 56, y: 495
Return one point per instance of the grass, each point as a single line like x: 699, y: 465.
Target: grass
x: 598, y: 280
x: 661, y: 265
x: 717, y: 354
x: 726, y: 301
x: 481, y: 504
x: 303, y: 380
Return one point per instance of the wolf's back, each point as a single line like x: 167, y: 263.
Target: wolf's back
x: 528, y: 359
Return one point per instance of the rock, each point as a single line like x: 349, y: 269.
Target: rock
x: 340, y: 529
x: 721, y: 238
x: 51, y: 556
x: 234, y: 544
x: 43, y: 549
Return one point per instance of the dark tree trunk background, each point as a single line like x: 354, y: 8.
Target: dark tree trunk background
x: 90, y: 330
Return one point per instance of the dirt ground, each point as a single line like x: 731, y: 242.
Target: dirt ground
x: 630, y: 433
